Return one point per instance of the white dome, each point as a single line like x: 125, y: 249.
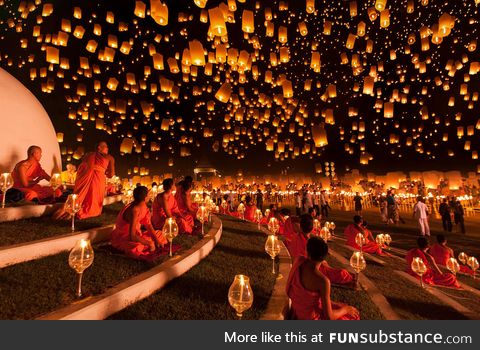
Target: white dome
x: 24, y: 122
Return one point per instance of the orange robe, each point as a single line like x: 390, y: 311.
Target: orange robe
x: 120, y: 237
x: 90, y: 184
x: 431, y: 276
x: 250, y: 212
x: 159, y: 216
x: 180, y: 194
x: 441, y: 254
x: 35, y: 191
x: 297, y: 247
x: 370, y: 245
x: 306, y: 305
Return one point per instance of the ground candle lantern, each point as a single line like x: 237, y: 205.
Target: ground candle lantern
x: 170, y: 231
x: 55, y: 183
x: 80, y: 258
x: 273, y: 225
x: 272, y: 247
x: 463, y: 258
x: 473, y: 263
x: 240, y: 294
x: 453, y: 266
x: 360, y: 240
x: 241, y: 210
x: 358, y: 263
x: 5, y: 184
x: 72, y: 207
x: 258, y: 217
x: 202, y: 215
x: 419, y: 267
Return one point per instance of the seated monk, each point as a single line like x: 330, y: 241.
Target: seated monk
x: 165, y: 206
x: 297, y: 247
x: 351, y: 231
x: 250, y: 209
x: 441, y: 253
x: 28, y: 173
x: 309, y: 289
x: 433, y: 275
x: 128, y: 235
x: 91, y: 180
x: 184, y: 198
x: 291, y: 228
x: 272, y: 212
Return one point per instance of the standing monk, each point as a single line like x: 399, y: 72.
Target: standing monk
x: 91, y: 180
x: 28, y: 173
x: 309, y: 288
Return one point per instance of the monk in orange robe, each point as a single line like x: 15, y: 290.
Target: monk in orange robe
x: 165, y: 206
x: 91, y: 180
x: 184, y: 198
x: 309, y: 289
x: 441, y: 253
x: 433, y: 275
x: 351, y: 231
x: 250, y: 210
x: 128, y: 235
x: 28, y: 173
x: 272, y: 213
x: 297, y: 244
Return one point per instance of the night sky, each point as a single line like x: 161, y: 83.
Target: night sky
x: 400, y: 77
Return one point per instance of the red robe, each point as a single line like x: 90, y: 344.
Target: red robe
x: 120, y: 237
x: 181, y: 198
x: 306, y: 305
x: 159, y: 216
x: 370, y: 245
x: 35, y: 191
x: 431, y: 276
x: 441, y: 254
x: 297, y: 247
x: 90, y: 184
x: 250, y: 211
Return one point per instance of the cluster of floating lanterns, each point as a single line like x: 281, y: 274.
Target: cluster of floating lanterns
x: 260, y: 67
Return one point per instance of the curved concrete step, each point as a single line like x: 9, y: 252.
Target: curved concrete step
x: 140, y: 286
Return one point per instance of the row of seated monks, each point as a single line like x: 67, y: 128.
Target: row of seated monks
x: 90, y: 180
x: 138, y: 231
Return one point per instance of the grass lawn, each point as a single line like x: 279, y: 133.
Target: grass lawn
x: 202, y: 293
x: 32, y: 229
x: 37, y: 287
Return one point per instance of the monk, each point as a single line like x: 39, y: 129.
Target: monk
x: 250, y: 209
x: 297, y: 247
x: 184, y: 198
x: 128, y: 235
x: 91, y: 180
x: 309, y: 289
x: 351, y: 231
x: 434, y: 275
x: 441, y: 253
x: 165, y: 206
x: 70, y: 175
x: 28, y: 173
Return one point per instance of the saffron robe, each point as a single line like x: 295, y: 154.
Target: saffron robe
x: 36, y: 191
x: 441, y: 254
x: 90, y: 184
x: 159, y: 216
x: 250, y: 212
x: 306, y: 304
x: 121, y: 240
x: 370, y: 245
x: 430, y: 276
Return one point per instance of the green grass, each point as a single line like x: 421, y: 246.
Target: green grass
x: 357, y: 298
x: 37, y: 287
x: 26, y: 230
x: 201, y: 293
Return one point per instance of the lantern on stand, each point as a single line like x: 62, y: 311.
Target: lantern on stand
x: 358, y: 263
x: 72, y: 207
x: 202, y: 215
x: 325, y: 234
x: 463, y: 258
x: 453, y: 266
x: 316, y: 226
x: 273, y: 225
x: 387, y: 239
x: 419, y: 267
x: 6, y: 183
x: 240, y: 294
x: 170, y: 231
x: 258, y: 217
x: 473, y: 263
x: 272, y: 247
x: 360, y: 240
x: 55, y: 183
x: 80, y: 258
x: 241, y: 210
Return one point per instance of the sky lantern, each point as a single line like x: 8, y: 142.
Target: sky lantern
x: 159, y: 12
x: 140, y: 9
x: 282, y: 34
x: 53, y: 55
x: 223, y: 94
x: 217, y: 21
x: 388, y: 110
x: 287, y: 89
x: 380, y: 5
x: 302, y: 28
x: 384, y: 18
x: 201, y: 3
x: 319, y: 136
x: 248, y: 21
x: 310, y: 6
x: 197, y: 53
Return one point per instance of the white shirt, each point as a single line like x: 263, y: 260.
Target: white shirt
x: 420, y: 210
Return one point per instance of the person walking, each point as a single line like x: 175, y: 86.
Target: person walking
x: 420, y: 212
x: 444, y: 211
x: 458, y: 214
x: 324, y: 204
x: 358, y: 204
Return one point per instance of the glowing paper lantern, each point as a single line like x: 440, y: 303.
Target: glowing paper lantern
x: 159, y: 12
x: 223, y: 94
x: 248, y: 21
